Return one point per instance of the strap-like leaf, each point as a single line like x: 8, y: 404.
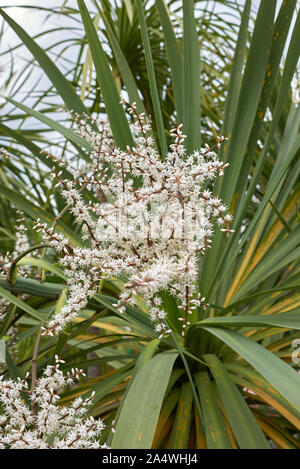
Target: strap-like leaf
x: 21, y: 304
x: 141, y: 408
x: 174, y: 56
x: 277, y: 372
x: 290, y: 320
x: 115, y: 111
x: 152, y: 79
x: 215, y: 429
x: 181, y: 427
x: 245, y: 428
x: 191, y: 79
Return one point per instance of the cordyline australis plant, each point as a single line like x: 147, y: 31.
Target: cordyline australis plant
x: 154, y: 219
x: 42, y: 423
x: 230, y: 381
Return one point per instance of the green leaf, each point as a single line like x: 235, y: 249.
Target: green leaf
x: 290, y: 320
x: 246, y: 108
x: 280, y: 34
x: 133, y: 315
x: 250, y: 379
x: 36, y: 212
x: 165, y: 416
x: 235, y: 81
x: 152, y: 79
x: 13, y: 370
x: 274, y: 260
x: 25, y: 307
x: 103, y: 387
x: 181, y: 427
x: 115, y: 111
x: 144, y: 357
x: 272, y: 185
x: 61, y: 301
x: 170, y: 306
x: 213, y: 275
x: 215, y: 429
x: 124, y: 68
x: 42, y: 264
x: 141, y: 408
x: 37, y: 152
x: 191, y: 79
x: 277, y: 372
x: 32, y: 287
x: 87, y: 68
x: 174, y: 56
x: 250, y: 94
x: 245, y: 428
x: 129, y: 9
x: 69, y: 134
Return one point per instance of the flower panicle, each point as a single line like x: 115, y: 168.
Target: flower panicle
x: 150, y: 220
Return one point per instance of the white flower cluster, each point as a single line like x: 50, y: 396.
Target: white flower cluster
x: 154, y: 218
x: 46, y: 424
x: 21, y: 245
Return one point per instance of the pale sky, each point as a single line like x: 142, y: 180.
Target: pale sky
x: 35, y: 22
x: 32, y: 21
